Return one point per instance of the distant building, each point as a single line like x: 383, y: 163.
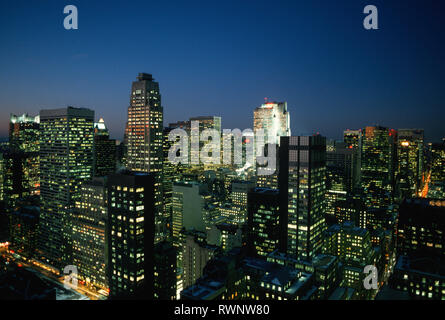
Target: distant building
x: 2, y: 176
x: 377, y: 158
x: 410, y: 164
x: 438, y: 162
x: 188, y: 208
x: 21, y: 162
x: 104, y: 151
x: 274, y: 119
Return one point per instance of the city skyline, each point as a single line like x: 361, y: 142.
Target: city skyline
x: 320, y: 60
x: 236, y: 151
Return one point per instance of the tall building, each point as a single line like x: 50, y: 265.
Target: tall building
x: 207, y: 122
x: 104, y: 151
x: 171, y: 173
x: 377, y: 162
x: 410, y: 161
x: 144, y: 133
x: 89, y: 243
x: 269, y: 180
x: 353, y: 140
x: 24, y: 133
x: 274, y: 119
x: 22, y: 174
x: 66, y: 162
x: 188, y: 208
x: 197, y: 126
x: 2, y: 176
x: 340, y: 167
x: 236, y: 210
x: 264, y: 227
x: 438, y: 162
x: 130, y: 232
x: 302, y: 191
x: 341, y: 174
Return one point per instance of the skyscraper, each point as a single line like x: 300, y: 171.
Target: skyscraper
x: 197, y: 125
x: 130, y: 233
x: 438, y: 162
x: 188, y: 208
x: 265, y: 233
x: 144, y: 133
x: 302, y: 192
x: 104, y: 151
x: 22, y: 161
x: 2, y: 176
x: 340, y: 174
x: 409, y: 160
x: 89, y: 233
x: 377, y: 157
x: 274, y: 119
x: 66, y: 161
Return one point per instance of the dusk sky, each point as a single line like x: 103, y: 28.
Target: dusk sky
x: 224, y: 57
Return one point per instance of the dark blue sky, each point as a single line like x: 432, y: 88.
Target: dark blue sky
x: 223, y: 57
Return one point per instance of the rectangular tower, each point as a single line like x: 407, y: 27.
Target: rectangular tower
x: 144, y: 134
x: 302, y: 192
x: 66, y: 161
x: 130, y: 233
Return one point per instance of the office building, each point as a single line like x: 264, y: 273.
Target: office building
x: 409, y: 161
x: 377, y: 159
x: 144, y: 134
x: 165, y: 271
x: 104, y: 151
x: 66, y: 162
x: 89, y: 239
x: 302, y: 191
x: 131, y: 235
x: 264, y: 225
x: 22, y: 172
x: 274, y: 119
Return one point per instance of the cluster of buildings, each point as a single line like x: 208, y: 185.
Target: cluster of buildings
x: 137, y: 226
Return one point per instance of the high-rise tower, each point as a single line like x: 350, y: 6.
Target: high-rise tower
x: 66, y: 161
x: 144, y: 133
x: 302, y: 192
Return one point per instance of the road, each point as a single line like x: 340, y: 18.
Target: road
x: 54, y: 278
